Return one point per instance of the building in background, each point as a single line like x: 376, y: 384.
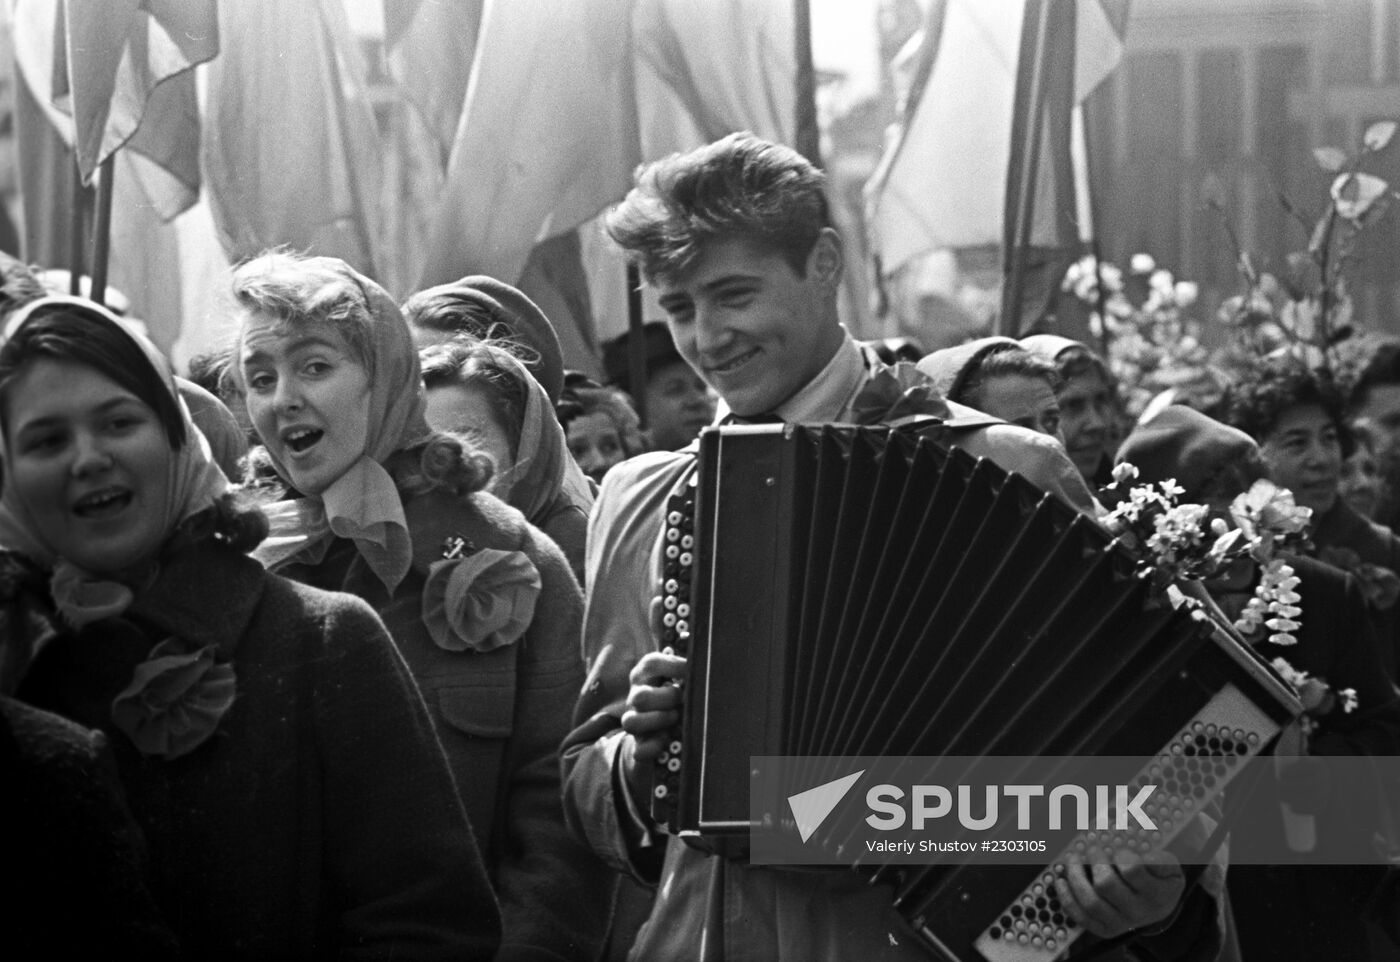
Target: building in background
x: 1223, y: 100
x: 1229, y: 100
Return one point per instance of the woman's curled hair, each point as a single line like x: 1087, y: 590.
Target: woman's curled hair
x: 1264, y: 390
x: 441, y: 461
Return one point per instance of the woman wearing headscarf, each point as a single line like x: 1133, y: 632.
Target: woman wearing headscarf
x: 1090, y: 412
x: 268, y: 737
x: 1295, y: 413
x: 481, y: 603
x: 1312, y: 911
x: 227, y: 442
x: 480, y: 390
x: 485, y: 309
x: 997, y: 376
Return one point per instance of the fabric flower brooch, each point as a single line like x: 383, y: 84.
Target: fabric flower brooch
x: 175, y: 699
x: 479, y: 599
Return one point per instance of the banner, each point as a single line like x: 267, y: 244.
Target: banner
x: 291, y: 150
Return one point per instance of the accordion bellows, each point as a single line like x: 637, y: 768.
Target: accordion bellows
x: 853, y: 591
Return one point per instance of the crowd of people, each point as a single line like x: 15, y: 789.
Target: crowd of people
x: 347, y: 644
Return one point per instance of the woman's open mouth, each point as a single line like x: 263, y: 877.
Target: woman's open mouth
x: 100, y: 505
x: 301, y: 440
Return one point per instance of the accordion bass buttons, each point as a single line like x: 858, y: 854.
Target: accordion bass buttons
x: 678, y: 556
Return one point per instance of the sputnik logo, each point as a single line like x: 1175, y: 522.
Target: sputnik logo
x: 810, y: 808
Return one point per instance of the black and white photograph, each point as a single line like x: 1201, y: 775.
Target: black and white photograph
x: 700, y: 480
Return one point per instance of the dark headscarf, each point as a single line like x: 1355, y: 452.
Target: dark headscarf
x: 216, y: 422
x: 507, y: 306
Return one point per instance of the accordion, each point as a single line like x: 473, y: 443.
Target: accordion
x: 854, y: 591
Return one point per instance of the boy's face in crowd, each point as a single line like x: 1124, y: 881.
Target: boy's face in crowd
x: 1304, y: 454
x: 751, y: 325
x: 678, y: 405
x: 1381, y: 408
x: 1360, y: 482
x: 595, y: 445
x: 1086, y: 419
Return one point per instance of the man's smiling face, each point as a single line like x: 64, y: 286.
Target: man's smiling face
x: 755, y: 329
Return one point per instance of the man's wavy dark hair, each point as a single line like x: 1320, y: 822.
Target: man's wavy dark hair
x: 740, y: 186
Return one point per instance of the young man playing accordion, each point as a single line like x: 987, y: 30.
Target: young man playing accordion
x: 736, y: 237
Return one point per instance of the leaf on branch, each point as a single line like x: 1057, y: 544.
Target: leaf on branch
x: 1330, y: 159
x: 1379, y: 134
x: 1354, y: 193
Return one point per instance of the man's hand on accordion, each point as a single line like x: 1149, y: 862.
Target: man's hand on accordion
x: 1129, y: 893
x: 653, y: 709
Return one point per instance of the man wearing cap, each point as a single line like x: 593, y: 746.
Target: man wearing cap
x: 676, y: 402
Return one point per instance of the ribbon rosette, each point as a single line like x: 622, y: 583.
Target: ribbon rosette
x: 482, y: 601
x: 897, y: 392
x: 175, y: 700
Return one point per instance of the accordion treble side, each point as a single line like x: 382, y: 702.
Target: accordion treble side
x: 853, y: 591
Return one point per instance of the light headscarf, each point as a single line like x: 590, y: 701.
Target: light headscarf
x: 545, y: 478
x: 195, y: 484
x: 363, y: 504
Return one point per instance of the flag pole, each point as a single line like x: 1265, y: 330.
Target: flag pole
x: 1095, y: 247
x: 636, y: 343
x: 1023, y: 166
x: 102, y: 230
x: 806, y: 132
x: 75, y: 236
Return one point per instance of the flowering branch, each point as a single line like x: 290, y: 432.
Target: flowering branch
x: 1178, y: 543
